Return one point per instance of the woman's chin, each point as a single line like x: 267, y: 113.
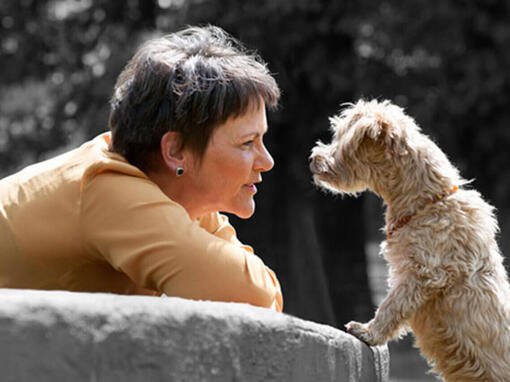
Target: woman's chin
x: 245, y: 211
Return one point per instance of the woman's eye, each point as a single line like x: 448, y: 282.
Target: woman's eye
x: 248, y: 143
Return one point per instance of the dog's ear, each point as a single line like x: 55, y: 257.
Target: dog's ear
x: 380, y: 122
x: 378, y: 128
x: 392, y: 138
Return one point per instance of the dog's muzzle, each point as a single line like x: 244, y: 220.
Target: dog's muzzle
x: 321, y: 159
x: 318, y: 165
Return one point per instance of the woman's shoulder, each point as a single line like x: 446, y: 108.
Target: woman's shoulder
x: 98, y: 159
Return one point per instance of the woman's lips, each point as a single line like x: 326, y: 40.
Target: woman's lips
x: 251, y: 187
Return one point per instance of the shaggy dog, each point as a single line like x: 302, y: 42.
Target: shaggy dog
x: 447, y: 281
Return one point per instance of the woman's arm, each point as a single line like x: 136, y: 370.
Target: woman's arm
x: 130, y: 223
x: 219, y: 225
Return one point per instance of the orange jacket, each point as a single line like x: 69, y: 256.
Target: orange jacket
x: 87, y: 220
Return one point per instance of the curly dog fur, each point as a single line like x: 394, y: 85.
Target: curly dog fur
x: 447, y: 281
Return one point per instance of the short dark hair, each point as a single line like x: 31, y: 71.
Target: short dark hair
x: 190, y: 82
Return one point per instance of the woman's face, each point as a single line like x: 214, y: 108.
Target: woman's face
x: 231, y: 167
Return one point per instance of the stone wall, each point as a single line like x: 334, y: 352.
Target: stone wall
x: 65, y: 336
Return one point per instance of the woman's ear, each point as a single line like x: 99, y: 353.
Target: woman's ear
x: 171, y: 150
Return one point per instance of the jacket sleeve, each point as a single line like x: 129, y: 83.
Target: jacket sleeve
x: 219, y: 225
x: 130, y: 223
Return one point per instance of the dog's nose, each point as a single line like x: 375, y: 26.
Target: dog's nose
x: 312, y: 166
x: 317, y: 165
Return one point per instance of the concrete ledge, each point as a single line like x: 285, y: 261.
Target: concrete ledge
x: 65, y: 336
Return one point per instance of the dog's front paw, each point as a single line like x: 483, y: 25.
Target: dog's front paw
x: 363, y: 333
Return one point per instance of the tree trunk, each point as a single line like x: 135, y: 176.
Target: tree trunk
x: 308, y: 291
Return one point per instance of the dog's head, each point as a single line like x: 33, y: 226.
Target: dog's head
x: 368, y: 139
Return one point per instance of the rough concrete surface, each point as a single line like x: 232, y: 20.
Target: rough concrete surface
x: 66, y: 336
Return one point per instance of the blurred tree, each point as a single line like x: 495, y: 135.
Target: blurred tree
x: 316, y: 243
x: 446, y: 63
x: 60, y: 60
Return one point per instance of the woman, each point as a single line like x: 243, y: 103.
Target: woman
x: 136, y: 211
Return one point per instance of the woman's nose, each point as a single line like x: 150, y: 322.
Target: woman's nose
x: 264, y: 161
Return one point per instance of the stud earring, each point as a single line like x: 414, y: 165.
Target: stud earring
x: 179, y: 171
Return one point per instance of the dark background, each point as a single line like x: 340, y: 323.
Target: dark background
x: 447, y: 62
